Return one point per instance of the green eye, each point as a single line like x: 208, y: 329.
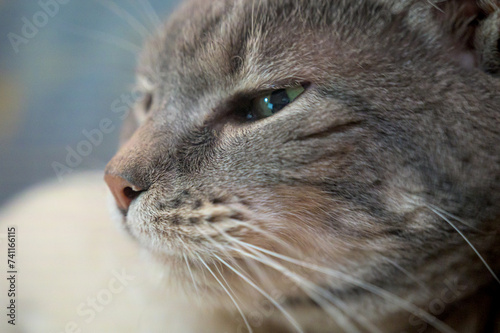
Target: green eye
x: 269, y: 104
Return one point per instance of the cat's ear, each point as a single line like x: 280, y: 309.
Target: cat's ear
x: 473, y: 27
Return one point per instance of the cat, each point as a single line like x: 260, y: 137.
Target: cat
x: 334, y: 162
x: 294, y: 166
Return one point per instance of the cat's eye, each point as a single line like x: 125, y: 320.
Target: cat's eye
x: 267, y: 105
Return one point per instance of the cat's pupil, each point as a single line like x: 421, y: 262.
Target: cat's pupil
x: 278, y: 100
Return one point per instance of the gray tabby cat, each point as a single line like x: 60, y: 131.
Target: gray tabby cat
x: 322, y: 166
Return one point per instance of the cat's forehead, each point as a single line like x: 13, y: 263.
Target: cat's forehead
x: 220, y: 39
x: 213, y: 37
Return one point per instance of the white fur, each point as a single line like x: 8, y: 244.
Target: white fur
x: 68, y: 248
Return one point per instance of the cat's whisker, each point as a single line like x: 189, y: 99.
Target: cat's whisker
x: 250, y: 282
x: 314, y: 291
x: 126, y: 16
x: 227, y: 292
x: 143, y: 17
x: 467, y: 241
x: 375, y: 290
x: 263, y: 293
x: 151, y: 13
x: 220, y: 247
x: 456, y: 218
x: 199, y: 266
x: 433, y: 4
x: 226, y: 254
x: 224, y: 279
x: 187, y: 249
x: 436, y: 323
x: 268, y: 235
x: 252, y: 19
x: 262, y: 277
x: 195, y: 284
x: 409, y: 275
x: 105, y: 38
x: 260, y: 274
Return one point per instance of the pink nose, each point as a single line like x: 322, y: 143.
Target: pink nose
x: 123, y: 191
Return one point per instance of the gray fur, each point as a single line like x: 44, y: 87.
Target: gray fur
x: 402, y: 114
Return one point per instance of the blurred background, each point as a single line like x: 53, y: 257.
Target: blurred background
x: 65, y: 67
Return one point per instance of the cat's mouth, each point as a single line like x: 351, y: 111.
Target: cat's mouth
x: 178, y: 227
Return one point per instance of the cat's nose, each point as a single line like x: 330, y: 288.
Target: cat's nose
x: 123, y: 191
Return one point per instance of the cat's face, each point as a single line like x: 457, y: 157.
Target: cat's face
x: 338, y: 133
